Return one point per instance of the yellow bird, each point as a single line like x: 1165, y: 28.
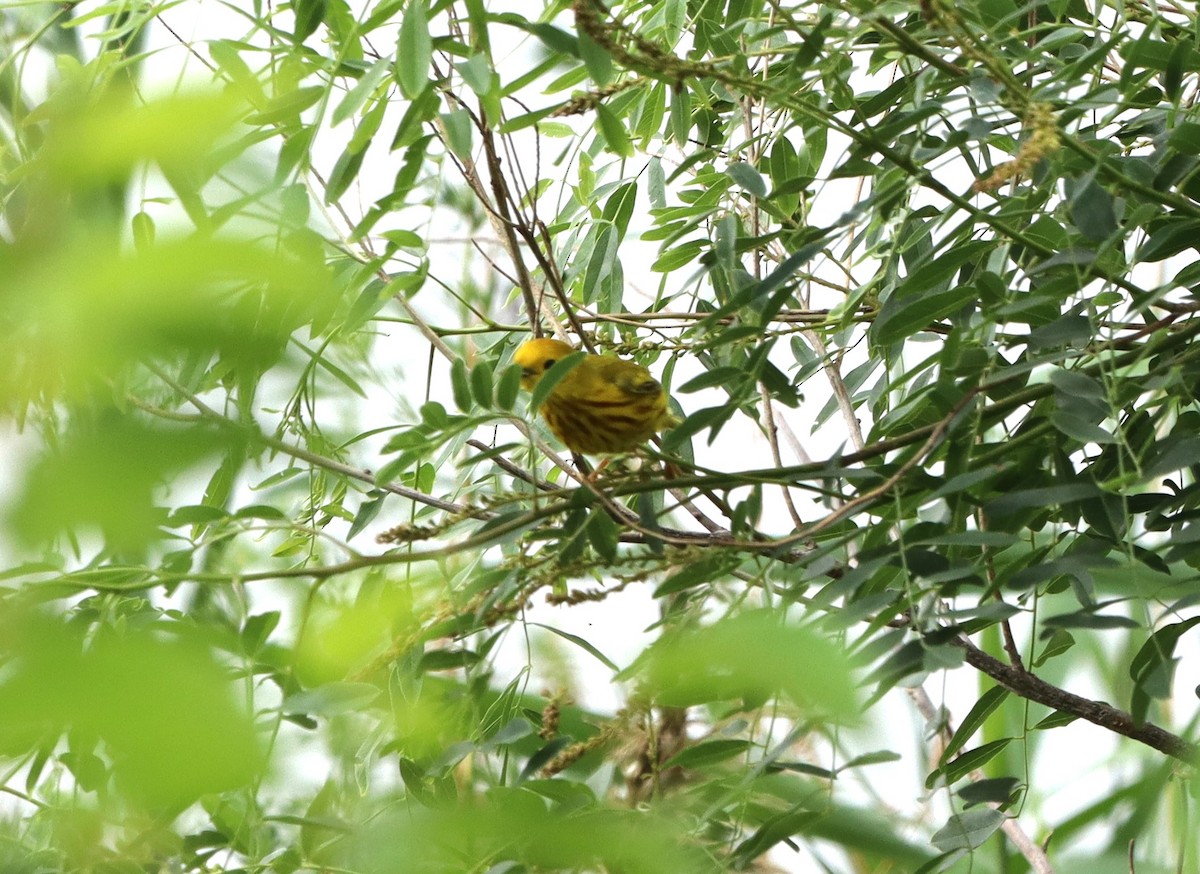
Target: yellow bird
x: 603, y: 405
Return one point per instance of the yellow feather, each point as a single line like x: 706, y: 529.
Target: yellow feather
x: 603, y: 405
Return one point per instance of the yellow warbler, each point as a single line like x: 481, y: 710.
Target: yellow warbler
x: 604, y: 404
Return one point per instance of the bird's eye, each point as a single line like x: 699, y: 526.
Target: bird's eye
x: 549, y: 363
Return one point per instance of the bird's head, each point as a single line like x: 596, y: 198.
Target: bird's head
x: 535, y: 357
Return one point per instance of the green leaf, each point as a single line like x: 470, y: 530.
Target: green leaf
x: 225, y: 54
x: 724, y: 661
x: 618, y: 209
x: 1047, y: 496
x: 710, y: 417
x: 309, y: 15
x: 603, y: 533
x: 998, y: 539
x: 508, y: 388
x: 581, y: 643
x: 460, y: 385
x: 331, y: 699
x: 1174, y: 455
x: 1057, y: 719
x: 343, y: 174
x: 969, y: 761
x: 969, y: 829
x: 745, y: 176
x: 195, y: 514
x: 257, y: 628
x: 447, y: 660
x: 514, y: 730
x: 481, y: 384
x: 716, y: 376
x: 459, y: 132
x: 434, y: 415
x: 552, y: 377
x: 879, y: 757
x: 995, y: 791
x: 1153, y: 667
x: 91, y: 680
x: 777, y: 828
x: 1069, y: 384
x: 367, y: 512
x: 403, y: 239
x: 422, y: 479
x: 554, y: 38
x: 1155, y: 54
x: 974, y: 720
x: 936, y: 275
x: 614, y: 132
x: 904, y: 314
x: 414, y: 49
x: 409, y: 132
x: 601, y: 261
x: 479, y: 75
x: 103, y: 478
x: 1168, y: 239
x: 1088, y: 619
x: 681, y: 113
x: 672, y: 259
x: 1185, y: 138
x: 1060, y: 641
x: 1093, y: 212
x: 260, y: 511
x: 142, y: 226
x: 1078, y: 428
x: 691, y: 575
x: 512, y: 524
x: 707, y: 753
x: 596, y: 58
x: 362, y: 90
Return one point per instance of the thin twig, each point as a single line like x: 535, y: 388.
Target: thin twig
x: 772, y: 432
x: 844, y: 401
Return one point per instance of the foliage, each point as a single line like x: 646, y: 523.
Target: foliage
x: 293, y: 578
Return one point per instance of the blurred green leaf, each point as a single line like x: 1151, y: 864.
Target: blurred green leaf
x: 515, y: 825
x: 91, y: 311
x: 105, y: 477
x: 707, y: 753
x: 163, y: 707
x: 176, y: 132
x: 727, y: 659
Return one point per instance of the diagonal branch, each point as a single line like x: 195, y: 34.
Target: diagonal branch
x: 1034, y: 688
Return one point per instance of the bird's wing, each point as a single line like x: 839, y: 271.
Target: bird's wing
x: 634, y: 379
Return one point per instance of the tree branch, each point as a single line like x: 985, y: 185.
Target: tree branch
x: 1033, y: 688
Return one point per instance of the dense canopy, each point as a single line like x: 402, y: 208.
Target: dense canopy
x: 296, y: 577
